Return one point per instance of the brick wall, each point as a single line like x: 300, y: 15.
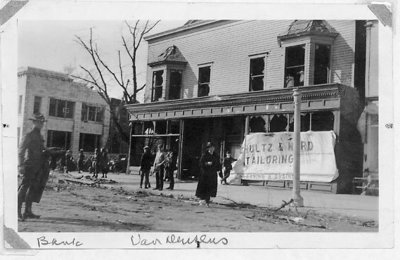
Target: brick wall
x: 227, y: 46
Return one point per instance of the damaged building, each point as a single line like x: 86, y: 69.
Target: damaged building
x: 220, y: 80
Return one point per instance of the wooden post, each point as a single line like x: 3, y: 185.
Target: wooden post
x: 180, y: 149
x: 298, y: 200
x: 128, y: 163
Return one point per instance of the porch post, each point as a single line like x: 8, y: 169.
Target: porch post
x: 128, y: 163
x: 298, y: 200
x: 180, y: 149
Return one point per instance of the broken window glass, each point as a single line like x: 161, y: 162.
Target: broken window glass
x: 322, y: 64
x: 294, y: 66
x: 257, y: 124
x: 322, y: 121
x: 278, y: 123
x: 157, y: 85
x: 161, y: 127
x: 204, y: 81
x: 175, y: 85
x: 257, y: 67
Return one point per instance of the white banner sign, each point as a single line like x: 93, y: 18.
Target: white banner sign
x: 269, y: 156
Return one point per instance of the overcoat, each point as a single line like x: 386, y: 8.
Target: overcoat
x: 209, y: 166
x: 34, y: 160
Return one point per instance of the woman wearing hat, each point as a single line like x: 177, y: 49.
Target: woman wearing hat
x: 209, y: 168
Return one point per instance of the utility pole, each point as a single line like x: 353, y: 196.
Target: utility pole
x: 298, y: 200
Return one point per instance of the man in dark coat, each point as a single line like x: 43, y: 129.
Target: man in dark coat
x: 145, y: 165
x: 209, y: 167
x: 34, y: 167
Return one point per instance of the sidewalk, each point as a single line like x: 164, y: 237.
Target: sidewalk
x: 362, y: 207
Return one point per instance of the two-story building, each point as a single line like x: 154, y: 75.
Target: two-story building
x: 77, y: 117
x: 220, y: 80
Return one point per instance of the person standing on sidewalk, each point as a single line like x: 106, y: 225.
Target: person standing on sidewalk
x: 209, y: 168
x: 145, y: 165
x: 170, y: 168
x: 228, y: 160
x: 95, y: 167
x: 159, y: 163
x: 103, y: 162
x: 81, y: 161
x: 34, y: 168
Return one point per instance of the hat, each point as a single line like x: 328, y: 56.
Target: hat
x: 146, y: 147
x: 38, y: 117
x: 209, y: 144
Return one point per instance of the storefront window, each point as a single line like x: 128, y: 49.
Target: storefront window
x: 278, y: 123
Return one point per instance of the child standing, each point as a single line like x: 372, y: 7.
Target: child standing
x: 228, y: 160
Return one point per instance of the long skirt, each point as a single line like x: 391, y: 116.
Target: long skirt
x: 207, y: 185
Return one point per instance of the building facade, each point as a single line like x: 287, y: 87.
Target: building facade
x: 221, y: 80
x: 77, y: 117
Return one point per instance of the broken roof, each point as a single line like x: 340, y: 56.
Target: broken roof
x: 171, y: 55
x: 308, y: 27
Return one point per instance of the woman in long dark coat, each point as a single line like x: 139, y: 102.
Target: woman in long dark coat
x: 209, y: 167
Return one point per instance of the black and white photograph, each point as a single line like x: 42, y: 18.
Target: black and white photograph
x: 181, y: 129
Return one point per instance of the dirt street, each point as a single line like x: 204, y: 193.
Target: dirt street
x: 69, y: 207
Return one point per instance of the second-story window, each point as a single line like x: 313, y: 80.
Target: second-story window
x: 61, y: 108
x: 37, y: 104
x: 322, y: 64
x: 294, y: 66
x: 157, y: 88
x: 175, y: 80
x: 92, y: 113
x: 257, y: 70
x: 204, y: 81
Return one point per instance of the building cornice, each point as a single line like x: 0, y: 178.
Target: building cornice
x: 238, y: 101
x: 44, y: 73
x: 181, y: 29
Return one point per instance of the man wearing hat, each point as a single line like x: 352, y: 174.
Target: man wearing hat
x: 33, y: 166
x: 145, y: 165
x: 209, y: 167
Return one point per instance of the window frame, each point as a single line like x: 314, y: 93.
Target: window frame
x: 154, y: 86
x: 40, y: 104
x: 310, y: 43
x: 264, y: 75
x: 64, y: 108
x: 86, y: 110
x: 199, y: 84
x: 67, y: 139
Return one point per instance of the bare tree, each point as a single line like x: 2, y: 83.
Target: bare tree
x: 97, y: 77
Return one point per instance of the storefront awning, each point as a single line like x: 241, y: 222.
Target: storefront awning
x: 314, y: 98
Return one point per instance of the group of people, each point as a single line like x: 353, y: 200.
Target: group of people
x: 164, y: 165
x: 99, y: 163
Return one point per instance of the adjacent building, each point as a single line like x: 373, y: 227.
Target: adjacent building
x: 219, y: 80
x: 77, y: 117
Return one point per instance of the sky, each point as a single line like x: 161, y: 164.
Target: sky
x: 52, y: 45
